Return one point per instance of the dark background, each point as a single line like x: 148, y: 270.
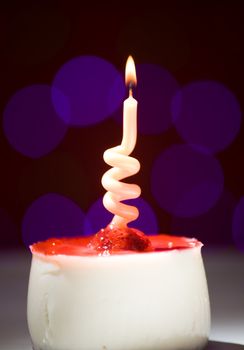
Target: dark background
x: 193, y: 40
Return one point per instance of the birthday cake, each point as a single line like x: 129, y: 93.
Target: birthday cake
x: 119, y: 289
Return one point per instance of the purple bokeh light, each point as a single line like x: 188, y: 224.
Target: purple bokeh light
x: 238, y: 225
x: 206, y: 115
x: 213, y: 226
x: 98, y: 217
x: 87, y: 89
x: 52, y: 215
x: 8, y: 229
x: 154, y: 92
x: 185, y: 182
x: 30, y: 122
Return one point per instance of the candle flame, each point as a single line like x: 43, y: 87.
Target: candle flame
x: 130, y: 72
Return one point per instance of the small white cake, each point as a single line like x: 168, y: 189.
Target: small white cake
x: 146, y: 301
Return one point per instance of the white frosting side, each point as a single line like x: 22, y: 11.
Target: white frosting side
x: 155, y: 301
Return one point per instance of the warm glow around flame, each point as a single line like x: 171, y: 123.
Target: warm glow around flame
x: 130, y: 72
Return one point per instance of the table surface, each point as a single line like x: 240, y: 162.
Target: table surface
x: 225, y: 275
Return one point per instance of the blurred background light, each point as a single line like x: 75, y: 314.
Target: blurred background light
x: 52, y: 215
x: 214, y: 226
x: 206, y: 115
x: 238, y: 225
x: 185, y: 182
x: 154, y: 92
x: 98, y: 217
x: 87, y: 90
x: 30, y: 122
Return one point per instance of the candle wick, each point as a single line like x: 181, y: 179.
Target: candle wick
x: 131, y: 86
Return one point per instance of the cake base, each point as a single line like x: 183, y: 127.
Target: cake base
x: 144, y: 301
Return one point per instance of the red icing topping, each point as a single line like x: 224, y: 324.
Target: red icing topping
x: 113, y: 241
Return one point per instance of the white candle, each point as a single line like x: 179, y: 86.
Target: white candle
x: 123, y: 165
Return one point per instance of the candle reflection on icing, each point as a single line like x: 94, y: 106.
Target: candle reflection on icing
x: 123, y: 165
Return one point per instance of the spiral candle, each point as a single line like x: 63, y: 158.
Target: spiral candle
x: 123, y: 165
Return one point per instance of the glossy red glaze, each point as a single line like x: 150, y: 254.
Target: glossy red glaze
x: 87, y: 246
